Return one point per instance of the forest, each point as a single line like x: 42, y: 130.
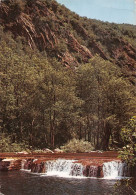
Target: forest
x: 55, y: 89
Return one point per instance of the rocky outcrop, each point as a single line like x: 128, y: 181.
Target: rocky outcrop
x: 76, y: 46
x: 84, y: 164
x: 98, y: 169
x: 38, y: 167
x: 93, y: 167
x: 93, y: 171
x: 10, y: 164
x: 96, y: 49
x: 45, y: 26
x: 68, y: 60
x: 89, y: 170
x: 4, y: 165
x: 80, y: 29
x: 57, y: 150
x: 125, y: 53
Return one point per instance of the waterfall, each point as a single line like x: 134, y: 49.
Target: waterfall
x: 23, y: 164
x: 72, y: 168
x: 26, y: 165
x: 115, y: 170
x: 64, y: 168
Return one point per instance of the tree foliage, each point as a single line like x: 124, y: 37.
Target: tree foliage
x: 76, y: 145
x: 42, y: 103
x: 108, y: 102
x: 128, y: 134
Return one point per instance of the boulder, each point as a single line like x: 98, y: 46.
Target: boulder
x: 4, y: 165
x: 22, y: 152
x: 10, y: 164
x: 47, y: 151
x: 38, y: 167
x: 57, y: 150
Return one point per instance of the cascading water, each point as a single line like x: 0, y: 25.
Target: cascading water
x: 26, y: 165
x: 71, y: 168
x: 23, y: 164
x: 64, y: 168
x: 115, y: 170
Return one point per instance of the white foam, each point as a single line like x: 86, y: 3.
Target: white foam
x: 64, y: 168
x: 115, y: 170
x: 71, y: 169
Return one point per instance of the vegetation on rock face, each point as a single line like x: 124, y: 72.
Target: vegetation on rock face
x: 53, y: 86
x: 53, y: 28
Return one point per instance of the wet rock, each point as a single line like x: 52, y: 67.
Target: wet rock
x: 48, y: 151
x: 57, y: 150
x: 93, y: 171
x: 100, y: 171
x: 10, y: 164
x: 27, y: 164
x: 4, y: 165
x: 38, y: 167
x: 22, y: 152
x: 87, y: 164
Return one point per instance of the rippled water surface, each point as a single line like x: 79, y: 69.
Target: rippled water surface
x: 23, y: 183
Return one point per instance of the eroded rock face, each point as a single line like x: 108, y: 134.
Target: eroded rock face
x: 4, y: 165
x: 38, y: 167
x: 77, y: 168
x: 48, y: 151
x: 45, y: 29
x: 57, y: 150
x: 10, y: 164
x: 77, y: 47
x: 93, y: 171
x: 94, y: 164
x: 27, y: 164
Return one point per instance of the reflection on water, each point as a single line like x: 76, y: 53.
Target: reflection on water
x: 22, y: 183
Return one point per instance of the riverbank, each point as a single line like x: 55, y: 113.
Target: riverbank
x: 58, y: 173
x: 88, y: 164
x: 76, y: 156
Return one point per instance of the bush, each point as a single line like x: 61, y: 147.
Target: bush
x: 128, y: 135
x: 6, y: 145
x: 76, y: 145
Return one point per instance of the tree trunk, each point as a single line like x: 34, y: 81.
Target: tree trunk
x: 106, y: 137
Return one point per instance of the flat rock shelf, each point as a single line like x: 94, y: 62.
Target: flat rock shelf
x: 94, y: 164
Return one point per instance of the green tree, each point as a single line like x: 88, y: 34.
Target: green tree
x: 128, y: 135
x: 59, y: 102
x: 108, y: 101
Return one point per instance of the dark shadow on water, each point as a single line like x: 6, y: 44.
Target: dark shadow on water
x: 22, y: 183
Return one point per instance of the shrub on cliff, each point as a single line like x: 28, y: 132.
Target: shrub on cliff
x: 76, y: 145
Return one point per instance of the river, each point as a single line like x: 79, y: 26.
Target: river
x: 24, y: 183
